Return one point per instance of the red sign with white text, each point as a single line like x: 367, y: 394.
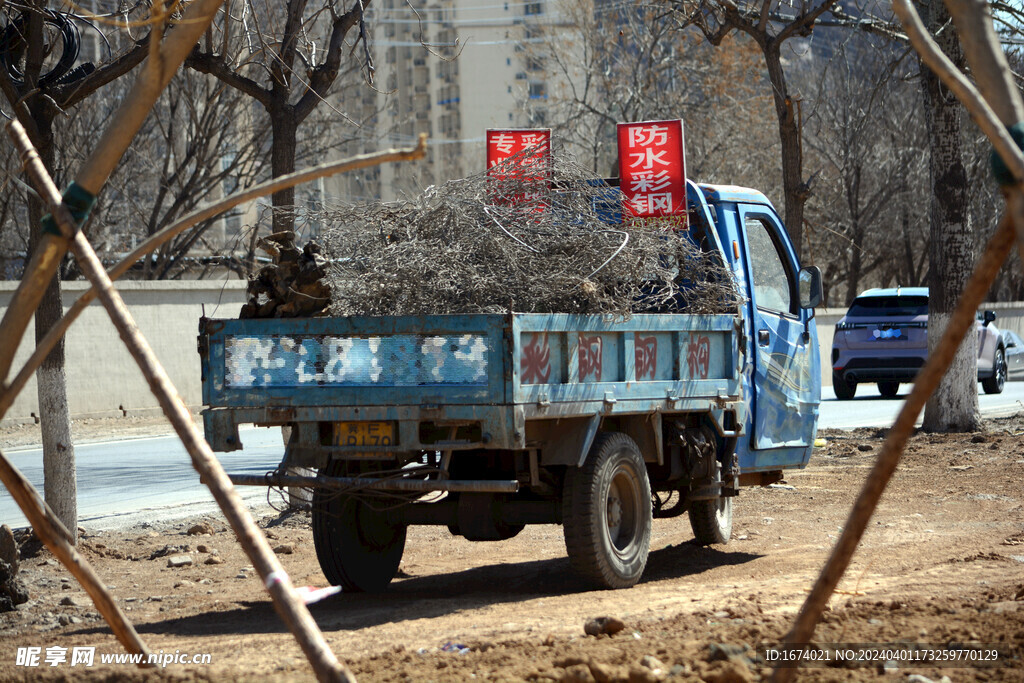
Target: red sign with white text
x: 527, y: 175
x: 652, y: 168
x: 502, y: 144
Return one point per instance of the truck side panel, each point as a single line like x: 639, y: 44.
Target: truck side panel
x: 450, y: 360
x: 571, y: 358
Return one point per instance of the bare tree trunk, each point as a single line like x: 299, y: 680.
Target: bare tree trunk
x: 853, y: 276
x: 282, y: 162
x: 793, y: 187
x: 954, y: 405
x: 59, y: 477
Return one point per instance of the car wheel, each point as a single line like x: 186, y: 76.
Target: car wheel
x: 888, y: 389
x: 995, y: 383
x: 844, y: 390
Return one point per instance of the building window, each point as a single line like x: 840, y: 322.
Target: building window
x: 227, y: 164
x: 538, y: 90
x: 533, y: 8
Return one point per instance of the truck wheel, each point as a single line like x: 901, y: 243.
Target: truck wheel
x: 606, y: 513
x: 995, y: 383
x: 711, y: 520
x: 358, y: 549
x: 889, y: 389
x: 844, y: 390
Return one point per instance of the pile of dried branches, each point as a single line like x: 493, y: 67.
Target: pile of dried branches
x: 509, y: 242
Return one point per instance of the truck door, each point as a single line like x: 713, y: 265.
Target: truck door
x: 783, y: 386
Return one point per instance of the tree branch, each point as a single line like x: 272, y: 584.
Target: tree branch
x: 324, y: 74
x: 281, y: 66
x: 805, y: 22
x: 964, y: 90
x: 215, y: 66
x: 762, y: 23
x: 973, y: 21
x: 70, y: 94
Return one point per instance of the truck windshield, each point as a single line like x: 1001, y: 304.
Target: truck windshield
x: 883, y: 306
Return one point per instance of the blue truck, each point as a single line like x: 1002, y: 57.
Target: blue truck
x: 487, y: 423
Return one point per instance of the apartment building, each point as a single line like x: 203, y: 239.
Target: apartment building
x: 451, y: 69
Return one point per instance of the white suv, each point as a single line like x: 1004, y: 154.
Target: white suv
x: 883, y: 338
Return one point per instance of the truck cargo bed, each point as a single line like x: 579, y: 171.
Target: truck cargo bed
x: 498, y: 369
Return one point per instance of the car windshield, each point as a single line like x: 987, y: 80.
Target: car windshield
x: 876, y: 306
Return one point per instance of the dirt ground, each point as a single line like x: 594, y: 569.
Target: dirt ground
x: 943, y: 563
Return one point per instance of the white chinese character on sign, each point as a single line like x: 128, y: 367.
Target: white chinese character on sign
x: 503, y: 142
x: 28, y: 656
x: 533, y: 139
x: 661, y: 202
x: 641, y: 204
x: 649, y: 181
x: 83, y: 655
x: 648, y: 158
x: 56, y: 655
x: 647, y: 204
x: 642, y: 137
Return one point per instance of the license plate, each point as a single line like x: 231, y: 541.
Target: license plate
x: 886, y: 335
x: 364, y: 434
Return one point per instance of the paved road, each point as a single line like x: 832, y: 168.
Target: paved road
x: 869, y: 409
x: 125, y: 482
x: 141, y: 479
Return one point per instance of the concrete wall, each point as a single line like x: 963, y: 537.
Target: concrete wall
x: 102, y: 377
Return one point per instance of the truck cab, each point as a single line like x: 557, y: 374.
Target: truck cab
x: 782, y: 368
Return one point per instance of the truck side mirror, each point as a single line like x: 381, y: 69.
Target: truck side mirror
x: 810, y: 287
x: 990, y: 316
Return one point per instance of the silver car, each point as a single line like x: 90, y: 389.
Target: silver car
x: 883, y: 339
x: 1014, y: 355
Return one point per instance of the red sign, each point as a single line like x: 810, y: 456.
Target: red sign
x: 527, y: 173
x: 502, y: 144
x: 652, y: 168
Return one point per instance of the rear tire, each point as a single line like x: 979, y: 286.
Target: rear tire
x: 606, y: 512
x: 995, y: 383
x: 844, y: 390
x: 889, y: 389
x: 358, y: 549
x: 711, y: 520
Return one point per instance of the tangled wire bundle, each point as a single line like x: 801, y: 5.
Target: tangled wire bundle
x: 509, y: 242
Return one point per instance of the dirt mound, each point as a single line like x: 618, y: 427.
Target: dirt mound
x: 935, y: 569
